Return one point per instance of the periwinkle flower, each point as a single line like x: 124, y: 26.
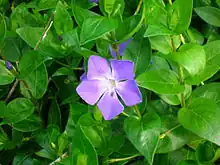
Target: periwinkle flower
x: 8, y: 65
x: 106, y: 82
x: 95, y: 1
x: 121, y: 48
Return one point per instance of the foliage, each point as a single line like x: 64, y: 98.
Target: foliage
x: 174, y: 46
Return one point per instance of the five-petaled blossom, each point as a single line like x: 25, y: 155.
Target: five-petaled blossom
x: 105, y: 82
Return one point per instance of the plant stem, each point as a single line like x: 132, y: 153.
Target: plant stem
x: 58, y: 159
x: 46, y: 29
x: 59, y: 62
x: 121, y: 159
x: 169, y: 131
x: 138, y: 7
x: 137, y: 111
x: 12, y: 90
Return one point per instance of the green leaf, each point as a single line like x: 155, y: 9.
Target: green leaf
x: 62, y: 19
x: 139, y: 51
x: 71, y: 38
x: 94, y: 28
x: 108, y: 5
x: 17, y: 110
x: 192, y: 57
x: 164, y: 44
x: 160, y: 81
x: 194, y: 36
x: 187, y: 162
x: 3, y: 28
x: 205, y: 116
x: 6, y: 77
x: 205, y: 153
x: 81, y: 14
x: 208, y: 91
x: 212, y: 63
x: 176, y: 136
x: 210, y: 15
x: 54, y: 115
x: 63, y: 72
x: 31, y: 35
x: 29, y: 63
x: 176, y: 99
x: 11, y: 49
x: 181, y: 13
x: 31, y: 124
x: 144, y: 134
x: 83, y: 153
x: 36, y: 82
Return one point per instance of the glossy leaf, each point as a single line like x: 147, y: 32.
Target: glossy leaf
x: 62, y: 19
x: 144, y: 134
x: 17, y: 110
x: 212, y: 63
x: 139, y: 51
x: 192, y: 57
x: 82, y: 151
x: 99, y: 25
x: 204, y: 114
x: 160, y: 81
x: 36, y: 83
x: 209, y: 14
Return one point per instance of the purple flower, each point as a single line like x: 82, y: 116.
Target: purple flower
x: 8, y: 65
x: 121, y: 47
x: 106, y: 81
x: 95, y: 1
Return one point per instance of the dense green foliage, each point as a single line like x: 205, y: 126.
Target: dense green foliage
x: 175, y: 48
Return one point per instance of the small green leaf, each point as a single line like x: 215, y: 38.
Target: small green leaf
x: 181, y: 13
x: 62, y: 19
x: 36, y: 82
x: 3, y: 28
x: 139, y: 51
x: 208, y: 91
x: 160, y: 81
x: 144, y: 134
x: 6, y: 77
x: 209, y: 14
x: 205, y: 116
x: 54, y: 115
x: 205, y: 153
x: 108, y: 5
x: 192, y: 57
x: 81, y: 14
x: 83, y: 153
x: 31, y: 124
x: 31, y: 35
x: 29, y: 63
x: 94, y: 28
x: 17, y: 110
x: 187, y: 162
x: 212, y: 51
x: 175, y: 133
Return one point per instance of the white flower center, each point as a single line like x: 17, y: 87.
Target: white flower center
x: 111, y: 84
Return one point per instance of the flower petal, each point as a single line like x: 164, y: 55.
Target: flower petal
x: 110, y: 106
x: 129, y: 92
x: 83, y: 77
x: 90, y: 91
x: 98, y: 68
x: 123, y: 46
x: 122, y: 69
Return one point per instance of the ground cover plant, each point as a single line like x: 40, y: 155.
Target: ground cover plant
x: 101, y: 82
